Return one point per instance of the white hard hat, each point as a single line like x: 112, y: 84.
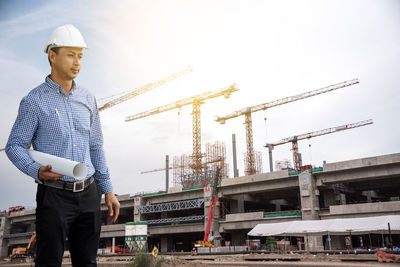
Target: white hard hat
x: 66, y: 35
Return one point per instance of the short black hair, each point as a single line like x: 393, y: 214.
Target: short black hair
x: 55, y: 49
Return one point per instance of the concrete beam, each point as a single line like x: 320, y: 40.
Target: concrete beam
x: 171, y: 197
x: 363, y: 162
x: 244, y: 216
x: 237, y: 225
x: 125, y: 200
x: 176, y: 229
x: 378, y: 207
x: 112, y: 230
x: 22, y: 216
x: 353, y: 175
x: 260, y: 186
x: 18, y: 241
x: 262, y: 177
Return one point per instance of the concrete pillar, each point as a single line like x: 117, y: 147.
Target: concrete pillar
x: 235, y: 169
x: 214, y: 231
x: 278, y: 203
x: 137, y: 216
x: 164, y: 244
x: 342, y: 199
x: 113, y: 245
x: 315, y: 242
x: 337, y: 242
x: 166, y: 173
x: 238, y: 238
x: 31, y: 227
x: 237, y: 204
x: 329, y: 198
x: 4, y: 229
x: 309, y: 197
x: 215, y: 226
x: 368, y: 194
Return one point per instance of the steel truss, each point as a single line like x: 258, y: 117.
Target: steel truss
x: 171, y: 206
x: 177, y: 219
x: 16, y: 235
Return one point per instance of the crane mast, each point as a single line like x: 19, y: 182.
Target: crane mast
x: 295, y: 139
x: 196, y: 101
x: 250, y: 166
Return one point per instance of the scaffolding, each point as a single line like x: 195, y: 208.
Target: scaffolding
x: 186, y: 173
x: 172, y: 206
x: 181, y: 167
x: 216, y: 157
x: 176, y: 220
x: 256, y: 166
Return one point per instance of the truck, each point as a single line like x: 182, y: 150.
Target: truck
x: 24, y: 252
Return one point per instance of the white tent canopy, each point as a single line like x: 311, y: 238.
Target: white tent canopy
x: 377, y: 224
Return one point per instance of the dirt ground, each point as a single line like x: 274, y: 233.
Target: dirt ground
x: 280, y: 260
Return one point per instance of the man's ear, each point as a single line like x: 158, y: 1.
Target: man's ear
x: 52, y: 55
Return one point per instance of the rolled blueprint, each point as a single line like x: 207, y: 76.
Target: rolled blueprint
x: 59, y: 165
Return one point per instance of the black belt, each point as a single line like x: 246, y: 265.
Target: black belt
x: 70, y: 186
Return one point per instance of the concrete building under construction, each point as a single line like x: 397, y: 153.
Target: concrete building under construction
x: 176, y: 218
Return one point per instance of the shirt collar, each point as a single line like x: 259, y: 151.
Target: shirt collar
x: 57, y: 87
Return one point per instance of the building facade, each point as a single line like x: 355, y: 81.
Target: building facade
x: 176, y: 219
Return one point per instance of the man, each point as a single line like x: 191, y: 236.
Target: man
x: 61, y: 118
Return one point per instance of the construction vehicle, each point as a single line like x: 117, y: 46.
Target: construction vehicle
x: 207, y: 241
x: 120, y: 251
x: 250, y: 155
x: 25, y: 252
x: 387, y: 257
x: 297, y: 162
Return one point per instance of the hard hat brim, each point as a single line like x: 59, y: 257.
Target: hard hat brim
x: 49, y: 47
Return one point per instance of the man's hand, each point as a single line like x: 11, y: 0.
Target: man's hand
x: 45, y: 174
x: 113, y: 206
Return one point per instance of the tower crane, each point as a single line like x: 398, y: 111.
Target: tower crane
x: 138, y: 91
x: 294, y: 139
x: 250, y: 168
x: 148, y: 87
x: 196, y: 101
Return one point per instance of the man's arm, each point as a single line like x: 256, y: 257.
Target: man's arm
x: 98, y: 159
x: 20, y: 137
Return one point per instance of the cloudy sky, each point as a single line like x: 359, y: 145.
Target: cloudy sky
x: 271, y: 49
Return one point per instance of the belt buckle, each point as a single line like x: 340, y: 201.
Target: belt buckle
x: 81, y: 184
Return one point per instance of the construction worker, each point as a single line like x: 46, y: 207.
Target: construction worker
x: 59, y: 117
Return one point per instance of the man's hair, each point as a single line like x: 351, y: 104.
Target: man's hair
x: 55, y: 49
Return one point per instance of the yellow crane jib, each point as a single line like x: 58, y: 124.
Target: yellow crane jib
x: 148, y: 87
x: 196, y: 101
x: 247, y: 111
x: 226, y: 92
x: 285, y: 100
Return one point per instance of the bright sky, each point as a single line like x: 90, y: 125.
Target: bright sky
x: 271, y: 49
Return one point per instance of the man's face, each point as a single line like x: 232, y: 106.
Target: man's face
x: 67, y: 62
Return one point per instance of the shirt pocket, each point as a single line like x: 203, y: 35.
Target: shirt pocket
x: 82, y: 120
x: 52, y: 125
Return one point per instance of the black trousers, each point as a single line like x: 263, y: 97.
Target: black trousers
x: 64, y: 214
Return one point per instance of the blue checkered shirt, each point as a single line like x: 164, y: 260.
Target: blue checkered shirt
x: 66, y: 126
